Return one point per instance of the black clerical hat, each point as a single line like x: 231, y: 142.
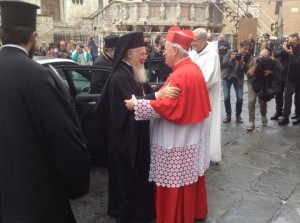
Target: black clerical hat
x: 18, y: 13
x: 128, y: 41
x: 111, y: 41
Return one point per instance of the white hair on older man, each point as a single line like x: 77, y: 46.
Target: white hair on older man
x: 200, y: 34
x: 180, y: 48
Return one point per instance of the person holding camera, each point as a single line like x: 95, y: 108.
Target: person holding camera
x: 283, y: 57
x: 262, y: 75
x: 234, y: 66
x: 62, y: 51
x: 293, y: 80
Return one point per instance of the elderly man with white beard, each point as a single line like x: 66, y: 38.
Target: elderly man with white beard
x: 125, y: 143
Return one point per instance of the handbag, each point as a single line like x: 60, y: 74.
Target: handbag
x: 266, y: 94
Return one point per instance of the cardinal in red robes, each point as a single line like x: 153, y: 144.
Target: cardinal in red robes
x: 179, y: 136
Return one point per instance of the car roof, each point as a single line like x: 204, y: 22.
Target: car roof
x: 44, y: 60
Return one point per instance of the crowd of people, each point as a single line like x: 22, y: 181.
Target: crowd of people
x: 83, y: 54
x: 157, y: 144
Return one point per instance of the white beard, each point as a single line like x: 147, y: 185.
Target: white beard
x: 140, y: 74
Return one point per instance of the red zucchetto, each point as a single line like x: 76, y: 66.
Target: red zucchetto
x: 183, y: 38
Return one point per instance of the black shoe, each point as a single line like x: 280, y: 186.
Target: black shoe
x: 276, y: 116
x: 294, y: 116
x: 283, y: 121
x: 297, y: 121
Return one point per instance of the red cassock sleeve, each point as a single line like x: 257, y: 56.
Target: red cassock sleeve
x: 193, y: 104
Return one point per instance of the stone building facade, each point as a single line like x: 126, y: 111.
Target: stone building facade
x: 78, y: 19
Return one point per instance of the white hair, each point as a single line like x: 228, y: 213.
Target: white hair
x: 200, y: 34
x: 180, y: 49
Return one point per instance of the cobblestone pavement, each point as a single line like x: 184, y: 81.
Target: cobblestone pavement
x: 258, y: 180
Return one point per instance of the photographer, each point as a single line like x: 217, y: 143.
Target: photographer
x: 62, y: 51
x: 283, y: 57
x: 293, y: 80
x: 234, y: 66
x: 262, y: 75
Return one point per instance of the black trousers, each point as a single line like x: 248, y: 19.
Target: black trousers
x: 289, y: 90
x: 279, y: 96
x: 297, y: 98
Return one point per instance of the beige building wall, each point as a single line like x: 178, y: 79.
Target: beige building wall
x: 291, y: 16
x: 71, y: 14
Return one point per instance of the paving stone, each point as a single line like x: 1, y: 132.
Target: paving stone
x: 291, y: 134
x: 252, y: 207
x: 260, y: 159
x: 92, y: 207
x: 289, y: 167
x: 277, y: 144
x: 236, y: 178
x: 218, y: 202
x: 290, y: 210
x: 275, y: 186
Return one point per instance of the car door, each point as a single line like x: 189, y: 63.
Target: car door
x: 78, y: 80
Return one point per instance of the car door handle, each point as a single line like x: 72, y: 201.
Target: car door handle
x: 91, y: 103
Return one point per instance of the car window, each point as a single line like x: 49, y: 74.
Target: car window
x: 62, y: 75
x: 82, y: 84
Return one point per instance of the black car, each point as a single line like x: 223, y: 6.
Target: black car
x: 75, y: 81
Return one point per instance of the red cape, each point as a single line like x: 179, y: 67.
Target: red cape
x: 193, y: 104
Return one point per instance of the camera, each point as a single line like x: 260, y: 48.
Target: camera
x: 288, y: 45
x: 265, y: 63
x: 238, y: 56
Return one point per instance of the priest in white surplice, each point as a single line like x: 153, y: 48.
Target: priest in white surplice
x: 205, y: 55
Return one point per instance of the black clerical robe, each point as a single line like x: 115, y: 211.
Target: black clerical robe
x: 43, y: 159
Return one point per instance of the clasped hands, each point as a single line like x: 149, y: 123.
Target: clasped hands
x: 166, y: 92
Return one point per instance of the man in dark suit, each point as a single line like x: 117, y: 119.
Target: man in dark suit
x: 99, y: 78
x: 43, y: 160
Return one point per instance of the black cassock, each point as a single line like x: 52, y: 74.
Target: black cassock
x: 99, y: 78
x: 43, y: 159
x: 128, y: 145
